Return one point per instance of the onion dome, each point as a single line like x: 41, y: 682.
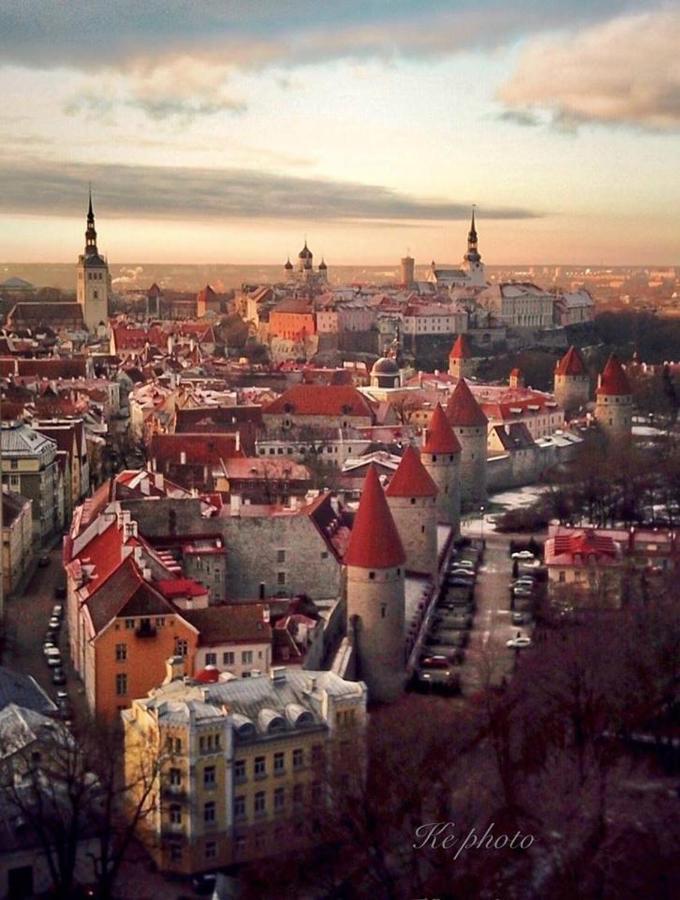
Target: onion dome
x: 322, y: 265
x: 374, y: 542
x: 289, y: 265
x: 462, y: 408
x: 411, y: 478
x: 613, y: 380
x: 305, y: 253
x: 440, y: 437
x: 571, y: 363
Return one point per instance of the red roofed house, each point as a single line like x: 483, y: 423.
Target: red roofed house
x: 375, y: 561
x: 412, y: 499
x: 233, y: 637
x: 460, y: 358
x: 585, y: 566
x: 193, y: 460
x: 614, y: 401
x: 319, y: 406
x: 470, y: 427
x: 441, y: 453
x: 571, y: 381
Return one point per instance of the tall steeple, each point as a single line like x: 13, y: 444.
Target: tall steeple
x: 90, y: 232
x: 472, y: 254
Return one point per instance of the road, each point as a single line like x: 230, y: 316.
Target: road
x: 488, y: 660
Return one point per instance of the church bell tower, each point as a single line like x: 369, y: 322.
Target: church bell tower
x: 94, y: 282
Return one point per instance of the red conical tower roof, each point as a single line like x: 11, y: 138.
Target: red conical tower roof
x: 374, y: 542
x: 463, y: 409
x: 613, y: 380
x: 440, y: 436
x: 571, y: 363
x: 411, y: 478
x: 461, y: 348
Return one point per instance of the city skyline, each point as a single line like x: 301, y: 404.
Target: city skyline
x: 225, y: 137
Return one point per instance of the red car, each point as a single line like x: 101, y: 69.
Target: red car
x: 436, y: 662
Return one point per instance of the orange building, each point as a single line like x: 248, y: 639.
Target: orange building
x: 292, y: 320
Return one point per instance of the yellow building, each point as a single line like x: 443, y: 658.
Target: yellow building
x: 17, y: 539
x: 240, y: 759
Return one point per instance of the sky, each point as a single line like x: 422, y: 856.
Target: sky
x: 226, y: 132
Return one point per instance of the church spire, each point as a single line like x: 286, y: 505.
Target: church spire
x: 90, y: 232
x: 472, y: 254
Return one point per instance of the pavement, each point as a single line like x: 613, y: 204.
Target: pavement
x: 487, y: 659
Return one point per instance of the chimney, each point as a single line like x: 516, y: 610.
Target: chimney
x: 278, y: 674
x: 174, y: 669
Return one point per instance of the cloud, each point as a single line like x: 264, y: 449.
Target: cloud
x: 95, y: 34
x: 212, y: 194
x: 621, y: 72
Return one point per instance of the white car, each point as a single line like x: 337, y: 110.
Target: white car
x: 523, y: 554
x: 518, y: 643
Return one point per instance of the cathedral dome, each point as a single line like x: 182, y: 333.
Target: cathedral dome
x: 386, y: 365
x: 305, y: 253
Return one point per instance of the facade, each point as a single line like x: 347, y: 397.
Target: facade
x: 242, y: 761
x: 519, y: 304
x: 469, y: 425
x: 375, y: 561
x: 29, y: 467
x: 614, y: 401
x: 441, y: 454
x: 17, y: 540
x: 93, y: 284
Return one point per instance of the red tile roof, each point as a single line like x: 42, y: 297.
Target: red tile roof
x: 411, y: 478
x: 440, y: 437
x: 230, y: 622
x: 49, y: 367
x: 463, y: 409
x: 321, y: 400
x: 613, y: 380
x: 199, y: 449
x: 461, y: 348
x: 571, y: 363
x: 180, y: 587
x: 374, y: 542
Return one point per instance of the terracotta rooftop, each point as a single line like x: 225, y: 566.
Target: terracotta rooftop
x: 230, y: 622
x: 463, y: 409
x: 571, y: 363
x: 321, y: 400
x: 440, y: 437
x: 374, y: 542
x: 411, y: 478
x: 613, y: 380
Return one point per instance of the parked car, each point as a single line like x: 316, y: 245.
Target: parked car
x: 522, y: 592
x: 58, y: 676
x: 44, y: 561
x: 52, y: 637
x: 57, y: 611
x: 523, y: 554
x: 53, y: 658
x: 518, y: 643
x: 520, y: 618
x: 459, y: 563
x: 522, y: 603
x: 62, y: 695
x: 440, y: 656
x: 49, y: 645
x: 65, y: 710
x: 461, y: 572
x: 54, y: 624
x: 448, y: 637
x: 454, y: 621
x: 444, y: 679
x: 524, y: 580
x: 60, y: 592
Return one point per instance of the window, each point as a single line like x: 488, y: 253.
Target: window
x: 210, y: 850
x: 371, y: 576
x: 563, y: 576
x: 228, y: 658
x: 260, y: 806
x: 211, y: 659
x: 121, y: 652
x: 209, y: 812
x: 298, y: 758
x: 280, y: 555
x: 175, y: 777
x: 176, y: 814
x: 279, y: 799
x: 178, y: 745
x: 121, y: 684
x: 298, y: 794
x: 239, y: 770
x: 239, y: 807
x: 324, y: 554
x: 279, y: 767
x: 160, y: 621
x: 260, y: 767
x: 181, y: 647
x: 383, y: 610
x: 129, y: 623
x: 280, y: 577
x: 209, y: 777
x: 247, y: 657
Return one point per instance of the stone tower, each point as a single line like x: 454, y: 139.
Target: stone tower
x: 93, y: 285
x: 460, y: 358
x: 412, y: 499
x: 571, y: 382
x: 375, y: 595
x: 408, y: 269
x: 614, y: 401
x: 440, y: 456
x: 469, y: 424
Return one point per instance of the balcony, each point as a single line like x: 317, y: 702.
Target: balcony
x: 145, y: 629
x: 174, y: 793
